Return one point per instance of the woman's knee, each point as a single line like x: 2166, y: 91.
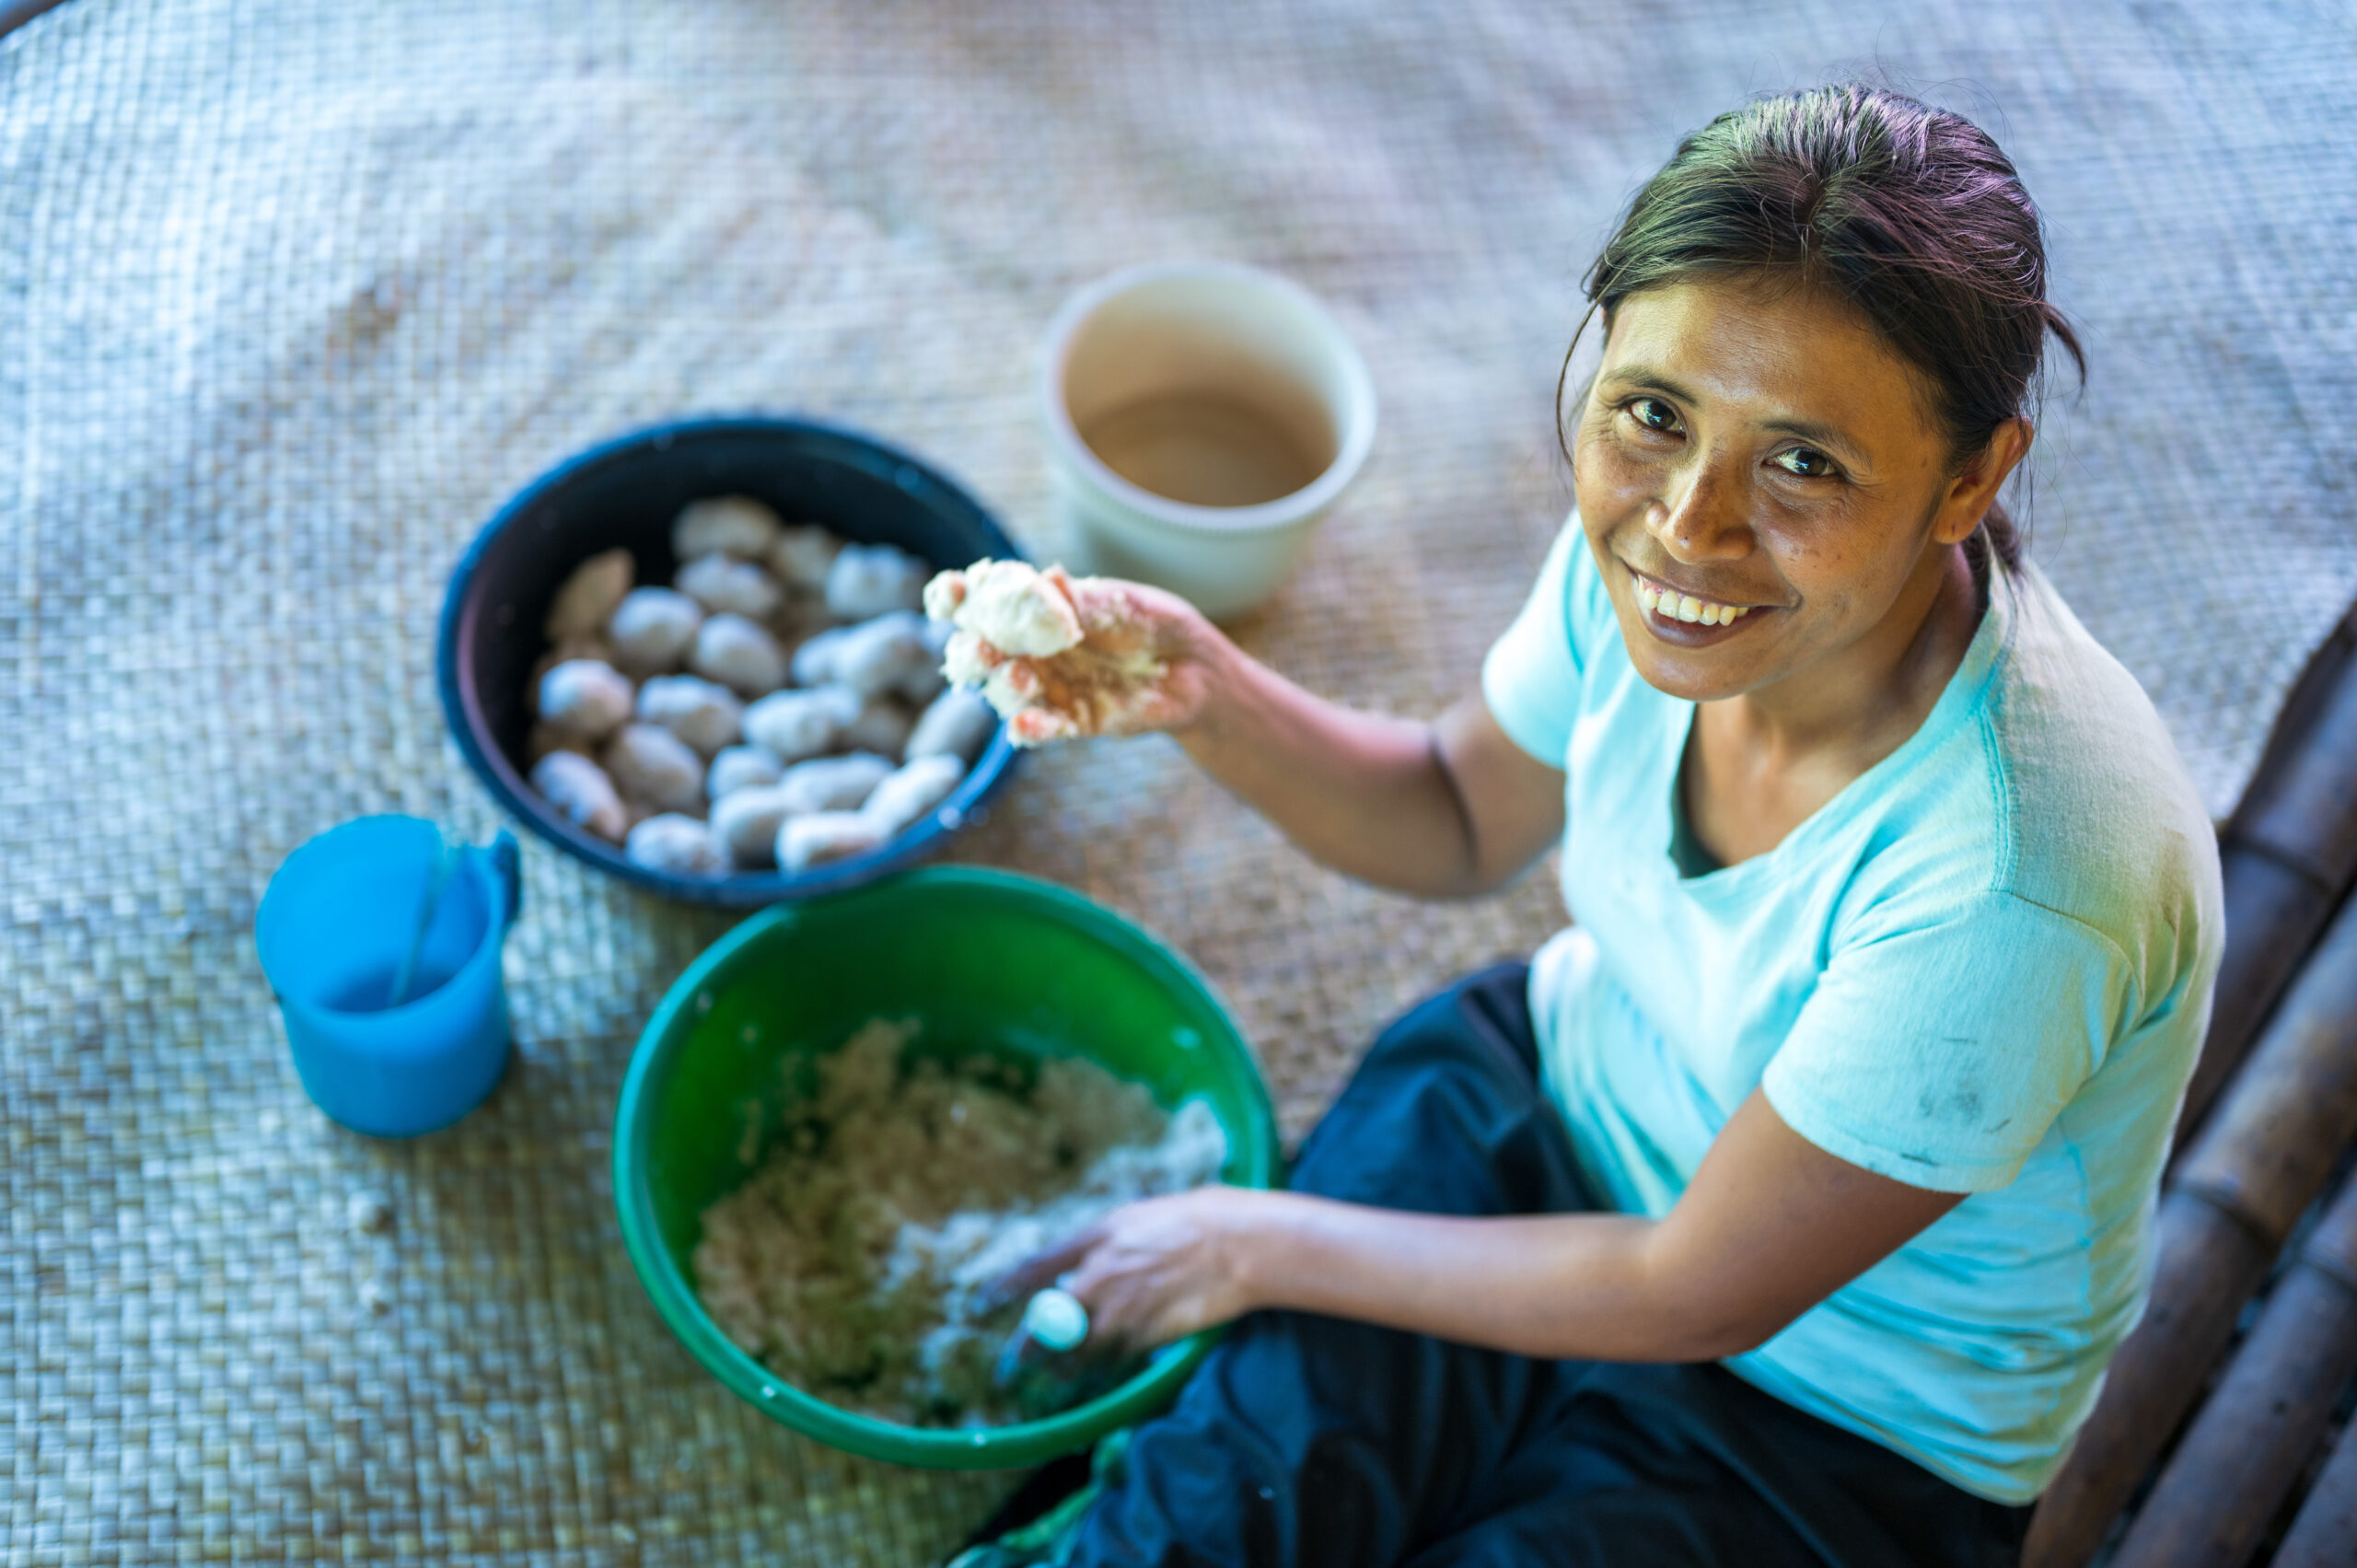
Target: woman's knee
x: 1478, y: 1027
x: 1431, y: 1105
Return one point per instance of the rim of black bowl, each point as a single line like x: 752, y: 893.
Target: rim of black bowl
x: 461, y: 710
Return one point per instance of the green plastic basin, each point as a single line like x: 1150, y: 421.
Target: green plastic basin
x: 989, y: 961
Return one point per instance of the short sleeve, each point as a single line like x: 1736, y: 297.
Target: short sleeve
x: 1939, y: 1055
x: 1531, y: 677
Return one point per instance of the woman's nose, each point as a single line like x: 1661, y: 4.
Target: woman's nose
x: 1700, y: 519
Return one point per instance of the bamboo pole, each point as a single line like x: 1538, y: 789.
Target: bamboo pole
x: 2289, y: 856
x: 2304, y: 811
x: 2272, y: 1144
x: 2263, y: 1158
x: 2274, y: 914
x: 2324, y: 1533
x: 2245, y: 1450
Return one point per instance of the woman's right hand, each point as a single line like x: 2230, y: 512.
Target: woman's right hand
x: 1447, y: 807
x: 1148, y: 660
x: 1152, y: 1270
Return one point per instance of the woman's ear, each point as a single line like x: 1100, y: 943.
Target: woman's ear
x: 1974, y: 486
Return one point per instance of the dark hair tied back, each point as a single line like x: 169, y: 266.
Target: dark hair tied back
x: 1910, y: 213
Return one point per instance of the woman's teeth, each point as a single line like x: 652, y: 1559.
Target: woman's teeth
x: 1686, y: 607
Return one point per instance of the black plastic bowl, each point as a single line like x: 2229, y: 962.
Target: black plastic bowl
x: 626, y: 492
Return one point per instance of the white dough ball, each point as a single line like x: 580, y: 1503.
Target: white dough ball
x: 877, y: 655
x: 833, y: 784
x: 882, y: 728
x: 739, y: 654
x: 746, y: 822
x: 581, y: 793
x: 704, y: 715
x: 588, y: 647
x: 802, y: 556
x: 590, y: 595
x: 791, y: 726
x: 651, y: 630
x: 585, y: 698
x: 824, y: 836
x: 874, y: 579
x: 814, y: 661
x: 681, y: 845
x: 737, y: 524
x: 650, y: 764
x: 723, y: 584
x: 741, y: 767
x: 958, y: 724
x: 912, y: 792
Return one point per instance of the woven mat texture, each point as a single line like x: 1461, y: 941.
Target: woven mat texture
x: 291, y: 296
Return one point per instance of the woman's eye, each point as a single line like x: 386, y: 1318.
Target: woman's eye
x: 1805, y: 461
x: 1653, y: 414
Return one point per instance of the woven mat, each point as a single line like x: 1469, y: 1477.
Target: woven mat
x: 291, y: 296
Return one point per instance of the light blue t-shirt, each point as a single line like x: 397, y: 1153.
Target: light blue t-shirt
x: 1984, y: 968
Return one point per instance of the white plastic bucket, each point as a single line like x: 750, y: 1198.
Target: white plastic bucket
x: 1213, y: 381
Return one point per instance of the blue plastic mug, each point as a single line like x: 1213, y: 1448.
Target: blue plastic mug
x: 338, y: 923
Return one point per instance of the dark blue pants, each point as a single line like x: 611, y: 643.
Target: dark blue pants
x: 1310, y: 1440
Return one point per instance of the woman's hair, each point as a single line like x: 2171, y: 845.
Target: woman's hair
x: 1910, y: 213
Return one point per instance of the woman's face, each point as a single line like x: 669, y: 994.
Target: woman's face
x: 1762, y: 484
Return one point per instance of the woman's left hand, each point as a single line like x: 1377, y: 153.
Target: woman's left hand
x: 1150, y: 1271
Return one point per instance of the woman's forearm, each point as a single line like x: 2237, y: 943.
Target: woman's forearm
x: 1586, y: 1286
x: 1770, y: 1226
x: 1368, y: 796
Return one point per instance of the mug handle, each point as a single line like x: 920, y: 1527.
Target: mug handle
x: 507, y: 864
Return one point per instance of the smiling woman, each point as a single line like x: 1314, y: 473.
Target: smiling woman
x: 1787, y: 1208
x: 1776, y: 514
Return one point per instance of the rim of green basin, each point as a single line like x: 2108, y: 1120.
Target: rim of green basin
x: 1017, y: 1444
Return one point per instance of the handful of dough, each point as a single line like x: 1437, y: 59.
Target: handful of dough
x: 1057, y: 655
